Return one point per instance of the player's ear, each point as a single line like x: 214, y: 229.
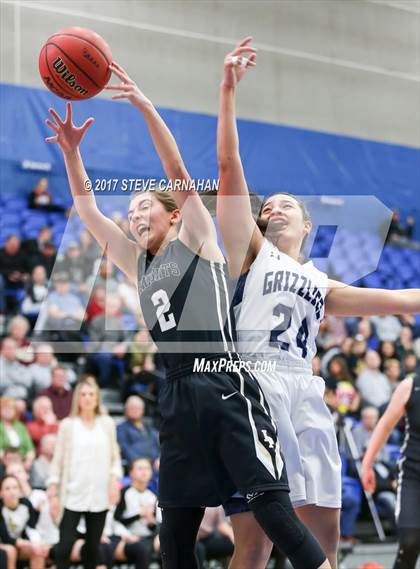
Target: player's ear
x: 175, y: 216
x: 307, y: 224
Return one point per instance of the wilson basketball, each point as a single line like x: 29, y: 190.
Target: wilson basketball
x: 74, y: 63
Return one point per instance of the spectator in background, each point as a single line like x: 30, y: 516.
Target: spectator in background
x: 74, y: 265
x: 18, y: 330
x: 8, y: 556
x: 144, y: 378
x: 96, y: 304
x: 364, y: 328
x: 85, y: 473
x: 337, y: 371
x: 397, y: 232
x: 130, y: 298
x: 316, y: 365
x: 44, y: 421
x: 325, y: 338
x: 41, y: 466
x: 13, y: 433
x: 134, y: 438
x: 18, y: 519
x: 386, y: 351
x: 392, y: 370
x: 410, y: 363
x: 215, y: 536
x: 373, y: 385
x: 89, y: 248
x: 9, y: 456
x: 40, y: 198
x: 137, y: 512
x: 357, y: 354
x: 36, y: 292
x: 16, y: 380
x: 64, y: 309
x: 14, y: 267
x: 108, y: 360
x: 47, y: 530
x: 387, y: 327
x: 404, y: 343
x: 33, y: 246
x: 363, y: 430
x: 105, y: 278
x: 46, y: 256
x: 41, y: 369
x: 58, y: 392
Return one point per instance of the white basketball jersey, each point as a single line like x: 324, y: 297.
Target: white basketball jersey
x: 279, y: 304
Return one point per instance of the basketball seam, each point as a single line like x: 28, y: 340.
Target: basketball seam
x: 80, y: 38
x: 53, y: 78
x: 75, y: 64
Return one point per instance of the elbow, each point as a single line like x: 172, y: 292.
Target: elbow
x: 227, y: 161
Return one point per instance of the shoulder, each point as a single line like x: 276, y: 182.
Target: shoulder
x: 124, y: 425
x: 107, y: 422
x: 66, y: 424
x: 25, y: 502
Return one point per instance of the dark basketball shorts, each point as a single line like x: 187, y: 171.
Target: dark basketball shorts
x: 217, y: 438
x: 408, y: 495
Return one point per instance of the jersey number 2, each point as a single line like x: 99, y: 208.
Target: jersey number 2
x: 285, y: 312
x: 161, y: 301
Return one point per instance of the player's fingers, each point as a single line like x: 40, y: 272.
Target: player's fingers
x: 239, y: 60
x: 251, y: 61
x: 245, y: 41
x: 69, y: 113
x: 51, y: 139
x: 245, y: 49
x: 56, y: 117
x: 52, y: 125
x: 123, y: 87
x: 120, y: 72
x: 119, y: 96
x: 86, y: 124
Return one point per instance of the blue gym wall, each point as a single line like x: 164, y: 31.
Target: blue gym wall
x: 275, y: 157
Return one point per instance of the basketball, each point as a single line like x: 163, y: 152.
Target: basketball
x: 74, y: 63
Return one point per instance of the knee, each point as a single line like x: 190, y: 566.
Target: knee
x: 252, y: 555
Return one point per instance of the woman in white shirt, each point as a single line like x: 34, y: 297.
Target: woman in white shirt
x: 85, y: 473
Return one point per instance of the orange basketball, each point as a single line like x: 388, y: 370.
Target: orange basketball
x: 74, y: 63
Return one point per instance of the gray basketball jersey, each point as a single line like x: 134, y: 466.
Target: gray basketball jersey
x: 279, y: 304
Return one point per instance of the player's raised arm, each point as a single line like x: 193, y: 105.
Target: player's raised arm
x: 241, y: 237
x: 346, y: 300
x: 387, y: 422
x: 121, y: 250
x: 197, y: 228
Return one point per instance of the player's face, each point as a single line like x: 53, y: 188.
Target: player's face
x: 284, y: 218
x: 149, y: 221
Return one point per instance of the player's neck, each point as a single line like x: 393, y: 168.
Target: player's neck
x: 288, y: 247
x: 140, y: 486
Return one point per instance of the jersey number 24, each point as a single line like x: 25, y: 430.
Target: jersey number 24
x: 285, y: 313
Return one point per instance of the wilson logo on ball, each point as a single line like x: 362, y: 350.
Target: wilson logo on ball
x: 74, y: 63
x: 68, y: 77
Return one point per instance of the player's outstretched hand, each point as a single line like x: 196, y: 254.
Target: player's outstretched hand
x: 128, y: 88
x: 238, y: 61
x: 67, y: 135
